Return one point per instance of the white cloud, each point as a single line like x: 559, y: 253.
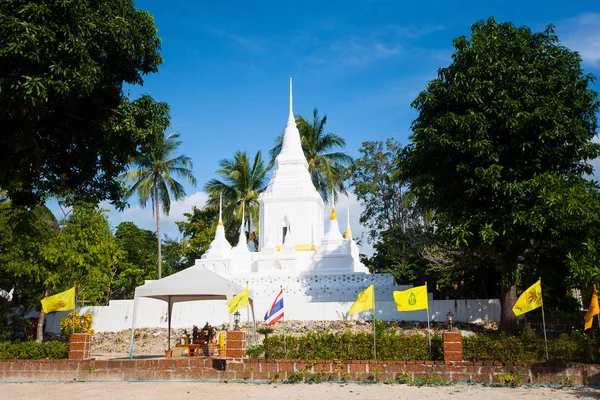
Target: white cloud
x: 143, y: 217
x: 582, y: 33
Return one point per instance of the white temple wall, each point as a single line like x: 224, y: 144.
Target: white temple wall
x: 153, y: 313
x: 305, y: 221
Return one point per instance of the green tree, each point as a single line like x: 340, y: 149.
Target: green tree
x: 152, y: 178
x: 198, y: 231
x: 328, y: 169
x: 500, y: 147
x: 46, y: 257
x: 67, y: 127
x: 174, y: 256
x: 242, y: 181
x: 381, y: 194
x: 140, y: 255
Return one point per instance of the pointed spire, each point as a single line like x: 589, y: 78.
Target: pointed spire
x: 348, y: 231
x: 242, y: 245
x: 219, y: 248
x: 291, y: 145
x: 291, y: 115
x: 333, y: 215
x: 220, y: 223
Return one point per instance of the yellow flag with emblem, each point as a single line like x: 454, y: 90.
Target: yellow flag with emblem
x: 62, y: 301
x: 529, y: 299
x: 238, y: 301
x: 365, y: 301
x: 412, y: 299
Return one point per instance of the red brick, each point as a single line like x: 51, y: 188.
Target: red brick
x: 414, y: 368
x: 261, y: 376
x: 236, y: 344
x: 451, y: 336
x: 354, y: 368
x: 79, y: 355
x: 453, y: 356
x: 210, y: 373
x: 182, y: 362
x: 164, y: 363
x: 236, y: 353
x: 236, y: 335
x: 286, y: 366
x: 235, y: 366
x: 452, y: 346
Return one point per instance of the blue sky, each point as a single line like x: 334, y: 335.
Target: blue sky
x: 227, y: 65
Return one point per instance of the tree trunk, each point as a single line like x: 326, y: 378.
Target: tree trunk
x: 157, y: 206
x: 39, y: 334
x: 508, y: 319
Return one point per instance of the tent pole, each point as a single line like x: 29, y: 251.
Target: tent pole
x: 169, y: 325
x: 131, y: 347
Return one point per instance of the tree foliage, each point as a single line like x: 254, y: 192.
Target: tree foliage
x: 381, y: 195
x: 329, y: 169
x: 500, y: 146
x: 139, y: 260
x: 242, y: 181
x: 44, y: 256
x: 67, y: 127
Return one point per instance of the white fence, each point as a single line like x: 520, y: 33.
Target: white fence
x: 153, y: 313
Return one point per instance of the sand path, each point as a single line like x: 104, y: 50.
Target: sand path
x: 328, y: 391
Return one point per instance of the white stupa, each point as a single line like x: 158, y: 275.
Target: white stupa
x: 317, y: 270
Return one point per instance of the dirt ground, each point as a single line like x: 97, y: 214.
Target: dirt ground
x: 329, y: 391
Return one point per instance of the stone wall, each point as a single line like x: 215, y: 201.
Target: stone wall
x: 200, y: 368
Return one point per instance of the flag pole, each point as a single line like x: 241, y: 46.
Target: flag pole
x: 284, y: 327
x: 544, y: 321
x: 75, y: 307
x: 598, y: 315
x: 374, y: 325
x: 428, y: 327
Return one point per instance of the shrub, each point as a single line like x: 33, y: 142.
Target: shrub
x: 33, y: 350
x: 353, y: 346
x: 75, y: 323
x: 527, y: 347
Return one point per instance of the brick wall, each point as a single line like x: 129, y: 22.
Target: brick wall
x: 79, y: 346
x: 204, y: 368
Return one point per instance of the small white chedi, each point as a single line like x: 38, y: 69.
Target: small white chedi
x: 294, y: 251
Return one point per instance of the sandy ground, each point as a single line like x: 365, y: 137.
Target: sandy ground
x: 190, y: 390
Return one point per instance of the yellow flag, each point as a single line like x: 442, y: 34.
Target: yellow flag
x: 365, y: 300
x: 412, y: 299
x: 62, y: 301
x: 238, y: 301
x: 529, y: 299
x: 592, y: 310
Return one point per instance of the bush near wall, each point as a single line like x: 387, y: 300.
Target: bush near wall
x: 528, y: 347
x: 353, y: 346
x: 33, y: 350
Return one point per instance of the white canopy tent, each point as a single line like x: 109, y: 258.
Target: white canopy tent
x: 192, y: 284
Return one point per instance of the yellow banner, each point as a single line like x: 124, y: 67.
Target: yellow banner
x: 412, y: 299
x: 529, y: 299
x: 238, y: 301
x: 365, y: 301
x: 63, y: 301
x: 592, y: 310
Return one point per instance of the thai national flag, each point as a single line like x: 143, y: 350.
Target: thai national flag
x: 276, y: 311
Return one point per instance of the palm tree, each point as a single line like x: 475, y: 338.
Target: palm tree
x: 328, y: 169
x: 240, y: 186
x: 152, y: 179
